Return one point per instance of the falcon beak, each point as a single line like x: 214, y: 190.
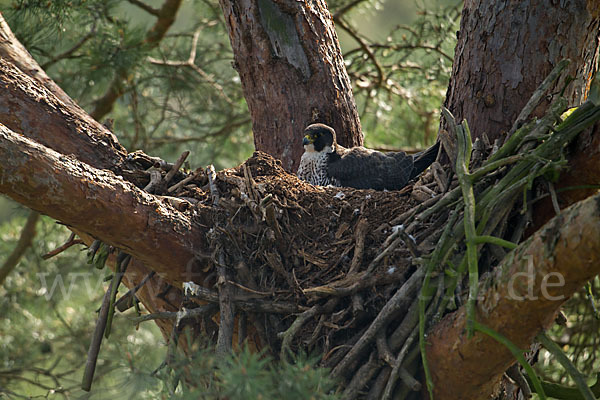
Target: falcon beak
x: 306, y: 140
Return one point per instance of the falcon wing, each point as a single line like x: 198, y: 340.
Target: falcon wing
x: 367, y: 169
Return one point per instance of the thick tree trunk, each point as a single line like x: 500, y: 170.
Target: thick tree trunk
x: 505, y: 50
x: 292, y: 72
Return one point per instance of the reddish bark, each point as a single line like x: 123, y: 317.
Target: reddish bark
x: 97, y: 202
x: 29, y: 108
x: 506, y: 49
x: 292, y: 72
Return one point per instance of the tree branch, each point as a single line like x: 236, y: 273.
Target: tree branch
x: 30, y: 108
x: 519, y: 300
x: 63, y: 187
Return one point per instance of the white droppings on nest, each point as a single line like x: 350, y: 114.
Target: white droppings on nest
x: 391, y: 270
x: 395, y: 228
x: 190, y: 287
x: 180, y: 315
x: 367, y: 197
x: 340, y: 195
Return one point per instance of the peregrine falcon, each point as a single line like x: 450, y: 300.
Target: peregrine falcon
x: 325, y: 162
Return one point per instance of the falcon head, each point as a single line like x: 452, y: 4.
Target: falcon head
x: 318, y: 138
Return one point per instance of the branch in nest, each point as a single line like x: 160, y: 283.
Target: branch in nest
x: 392, y: 307
x: 180, y: 315
x: 249, y: 305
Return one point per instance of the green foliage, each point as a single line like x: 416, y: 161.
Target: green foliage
x: 46, y: 319
x: 578, y: 336
x: 400, y: 83
x: 245, y: 375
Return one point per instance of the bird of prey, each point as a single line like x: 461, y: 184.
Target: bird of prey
x: 325, y: 162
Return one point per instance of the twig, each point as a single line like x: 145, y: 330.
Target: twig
x: 553, y: 197
x: 405, y: 328
x: 242, y: 328
x: 94, y: 349
x: 145, y: 7
x: 70, y: 242
x: 438, y: 258
x: 120, y: 268
x: 212, y: 177
x: 391, y: 308
x: 409, y: 241
x: 495, y: 240
x: 383, y: 349
x: 557, y: 391
x: 250, y: 305
x: 440, y: 177
x: 362, y: 377
x: 578, y: 378
x: 274, y: 261
x: 409, y: 380
x: 289, y: 334
x: 155, y: 180
x: 514, y: 373
x: 359, y: 238
x: 343, y: 10
x: 190, y: 63
x: 463, y: 158
x: 176, y: 167
x: 226, y: 308
x: 126, y: 301
x: 154, y: 35
x: 186, y: 180
x: 385, y: 252
x: 398, y: 369
x: 67, y: 53
x: 184, y: 313
x: 407, y: 215
x: 365, y: 47
x: 354, y: 283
